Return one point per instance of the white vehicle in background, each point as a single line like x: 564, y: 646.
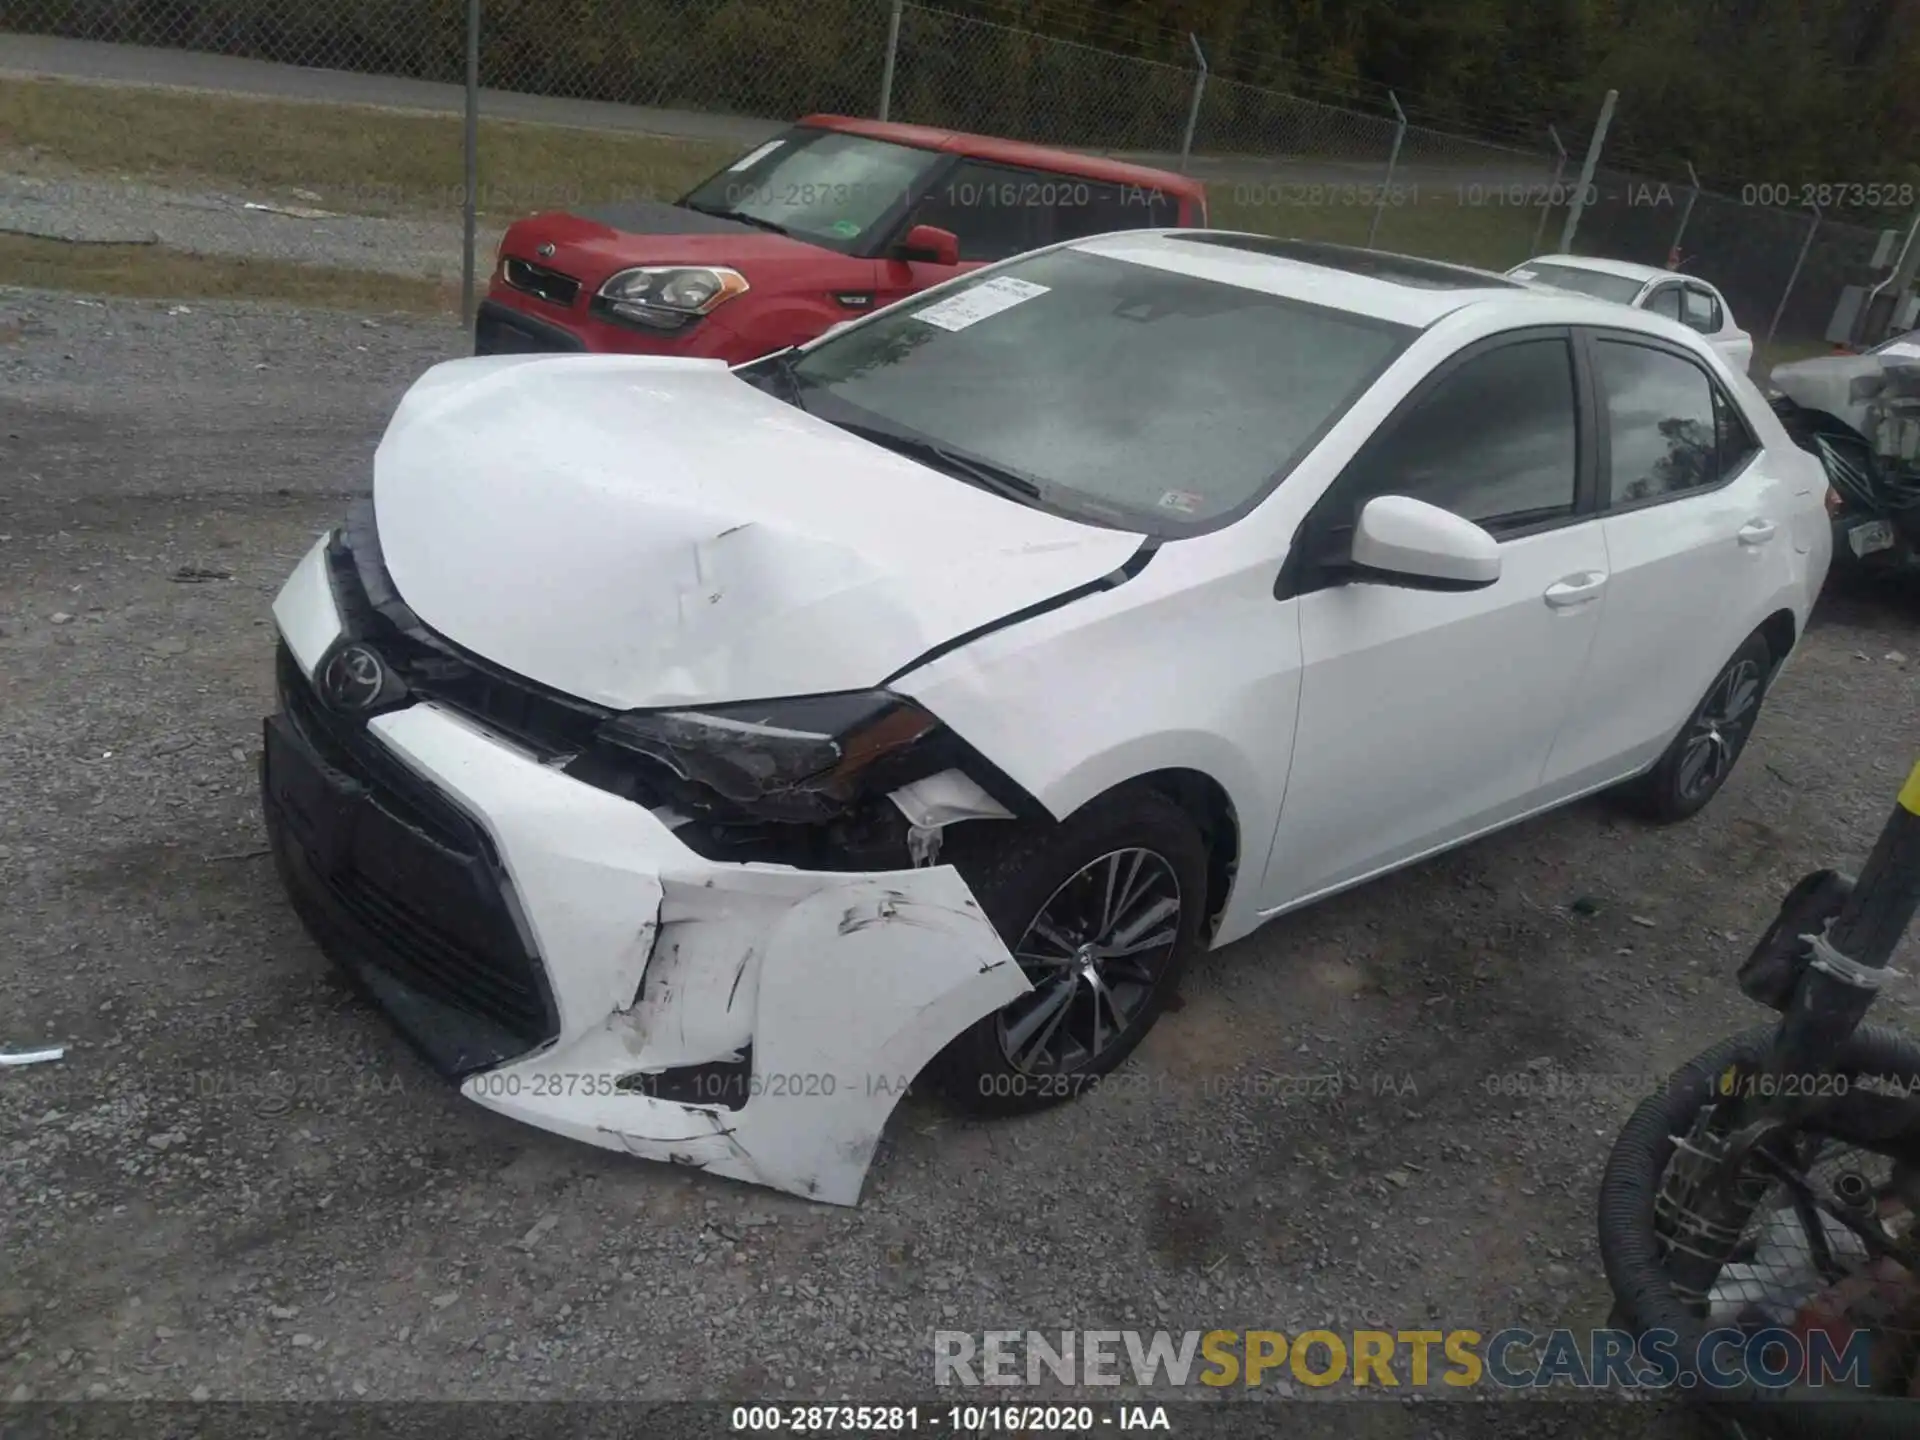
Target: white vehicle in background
x: 687, y: 758
x: 1686, y: 298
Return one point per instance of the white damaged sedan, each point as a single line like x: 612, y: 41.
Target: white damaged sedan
x: 687, y: 758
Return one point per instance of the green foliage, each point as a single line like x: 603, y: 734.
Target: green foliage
x: 1761, y: 91
x: 1780, y: 91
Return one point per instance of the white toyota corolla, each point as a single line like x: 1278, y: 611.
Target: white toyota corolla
x: 1685, y: 298
x: 687, y: 757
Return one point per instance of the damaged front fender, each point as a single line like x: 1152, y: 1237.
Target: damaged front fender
x: 834, y: 989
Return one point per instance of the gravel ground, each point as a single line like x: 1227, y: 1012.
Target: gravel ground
x: 239, y: 1184
x: 213, y: 223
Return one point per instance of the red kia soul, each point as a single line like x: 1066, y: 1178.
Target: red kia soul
x: 824, y: 222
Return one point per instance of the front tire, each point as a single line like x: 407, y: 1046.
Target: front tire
x: 1705, y: 751
x: 1101, y: 912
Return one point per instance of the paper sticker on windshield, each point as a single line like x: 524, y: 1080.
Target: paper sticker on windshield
x: 848, y: 228
x: 1185, y: 501
x: 1903, y: 350
x: 1522, y: 274
x: 971, y: 306
x: 755, y: 155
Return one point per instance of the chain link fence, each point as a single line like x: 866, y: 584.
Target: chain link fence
x: 762, y: 58
x: 1782, y: 271
x: 968, y: 74
x: 1274, y: 162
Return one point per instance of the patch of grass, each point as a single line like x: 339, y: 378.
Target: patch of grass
x: 154, y: 272
x: 353, y: 158
x: 1785, y: 352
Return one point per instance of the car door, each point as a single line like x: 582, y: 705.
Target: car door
x: 992, y: 210
x: 1699, y: 532
x: 1426, y: 716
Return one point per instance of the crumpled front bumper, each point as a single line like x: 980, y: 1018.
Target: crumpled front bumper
x: 826, y: 993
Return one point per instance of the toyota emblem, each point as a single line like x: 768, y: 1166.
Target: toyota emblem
x: 546, y: 251
x: 354, y: 679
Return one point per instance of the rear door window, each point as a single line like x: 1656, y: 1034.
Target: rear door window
x: 1700, y: 310
x: 1667, y: 426
x: 1665, y: 301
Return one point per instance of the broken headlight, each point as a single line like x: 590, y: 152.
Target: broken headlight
x: 802, y: 760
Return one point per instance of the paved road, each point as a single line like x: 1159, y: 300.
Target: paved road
x: 52, y: 56
x: 40, y: 55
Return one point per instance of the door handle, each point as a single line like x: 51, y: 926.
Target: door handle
x: 1576, y: 589
x: 1756, y: 532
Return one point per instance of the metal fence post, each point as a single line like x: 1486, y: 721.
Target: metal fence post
x: 1673, y: 254
x: 1393, y: 160
x: 1553, y: 189
x: 1193, y: 110
x: 1792, y: 279
x: 1586, y: 172
x: 470, y: 200
x: 893, y: 49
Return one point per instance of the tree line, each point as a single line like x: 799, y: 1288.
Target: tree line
x: 1750, y: 91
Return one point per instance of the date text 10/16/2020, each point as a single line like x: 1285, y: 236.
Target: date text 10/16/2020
x: 1407, y: 194
x: 975, y: 1420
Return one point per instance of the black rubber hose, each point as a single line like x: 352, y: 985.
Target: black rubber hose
x: 1629, y: 1251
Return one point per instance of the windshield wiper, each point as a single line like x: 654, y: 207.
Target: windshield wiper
x: 780, y: 365
x: 983, y: 473
x: 721, y: 213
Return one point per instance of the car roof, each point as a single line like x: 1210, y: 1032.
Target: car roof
x: 1625, y: 269
x: 1012, y: 152
x: 1401, y: 289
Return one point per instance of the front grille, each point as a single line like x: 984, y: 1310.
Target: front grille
x: 431, y: 960
x: 421, y: 882
x: 549, y: 285
x: 348, y: 751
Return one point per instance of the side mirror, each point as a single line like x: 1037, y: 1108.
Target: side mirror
x: 930, y: 243
x: 1401, y: 541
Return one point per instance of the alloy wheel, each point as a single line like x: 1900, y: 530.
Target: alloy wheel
x: 1719, y: 728
x: 1095, y: 954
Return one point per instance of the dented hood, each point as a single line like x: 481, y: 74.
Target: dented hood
x: 639, y: 532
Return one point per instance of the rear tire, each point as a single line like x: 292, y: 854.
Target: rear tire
x: 1703, y: 754
x: 1085, y: 906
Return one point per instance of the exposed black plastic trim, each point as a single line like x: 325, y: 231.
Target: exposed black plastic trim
x: 1135, y: 564
x: 1368, y: 575
x: 405, y: 887
x: 717, y: 1084
x: 502, y: 330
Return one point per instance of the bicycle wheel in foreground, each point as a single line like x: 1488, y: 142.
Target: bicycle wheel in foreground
x: 1812, y: 1279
